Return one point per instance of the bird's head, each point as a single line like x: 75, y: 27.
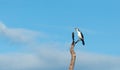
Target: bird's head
x: 76, y: 29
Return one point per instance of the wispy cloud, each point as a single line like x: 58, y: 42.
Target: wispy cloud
x: 18, y: 61
x: 94, y: 61
x: 52, y: 59
x: 19, y: 34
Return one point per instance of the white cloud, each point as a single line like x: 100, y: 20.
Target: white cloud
x: 53, y: 59
x: 17, y: 61
x: 19, y: 34
x: 94, y: 61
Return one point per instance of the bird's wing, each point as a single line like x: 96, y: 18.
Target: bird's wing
x: 83, y: 42
x: 82, y: 35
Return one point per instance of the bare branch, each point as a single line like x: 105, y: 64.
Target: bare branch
x: 73, y: 55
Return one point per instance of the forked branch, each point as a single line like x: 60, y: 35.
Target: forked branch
x: 73, y: 54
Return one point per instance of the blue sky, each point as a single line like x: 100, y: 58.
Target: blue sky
x: 32, y: 30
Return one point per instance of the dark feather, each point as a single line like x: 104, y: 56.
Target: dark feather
x: 82, y: 35
x: 83, y: 42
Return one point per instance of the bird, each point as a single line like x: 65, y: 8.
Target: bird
x: 80, y: 36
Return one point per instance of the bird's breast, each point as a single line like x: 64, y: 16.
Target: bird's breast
x: 79, y: 35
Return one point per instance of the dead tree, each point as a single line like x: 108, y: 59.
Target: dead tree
x: 73, y: 54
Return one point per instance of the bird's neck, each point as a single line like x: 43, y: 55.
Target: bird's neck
x: 78, y: 31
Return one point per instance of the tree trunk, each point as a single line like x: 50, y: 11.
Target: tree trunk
x: 73, y: 55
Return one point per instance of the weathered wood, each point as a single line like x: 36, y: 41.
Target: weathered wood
x: 73, y: 54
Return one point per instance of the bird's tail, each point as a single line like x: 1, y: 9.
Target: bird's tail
x: 83, y: 42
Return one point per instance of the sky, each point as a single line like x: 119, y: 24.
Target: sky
x: 36, y: 34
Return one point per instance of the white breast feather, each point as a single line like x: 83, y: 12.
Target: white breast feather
x: 79, y: 35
